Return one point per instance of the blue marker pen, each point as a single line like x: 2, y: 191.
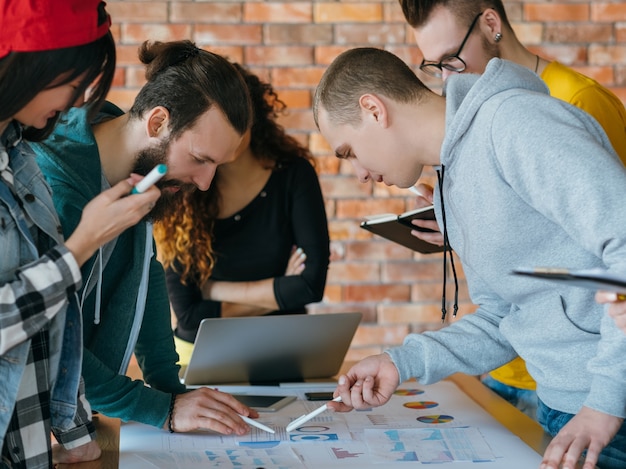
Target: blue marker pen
x: 152, y: 177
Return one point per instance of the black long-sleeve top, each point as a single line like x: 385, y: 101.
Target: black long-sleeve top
x: 256, y: 244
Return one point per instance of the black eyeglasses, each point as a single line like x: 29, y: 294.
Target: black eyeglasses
x: 453, y: 62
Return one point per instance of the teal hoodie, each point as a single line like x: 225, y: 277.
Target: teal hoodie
x: 529, y: 181
x: 117, y: 320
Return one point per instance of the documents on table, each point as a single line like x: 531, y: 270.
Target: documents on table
x: 420, y: 424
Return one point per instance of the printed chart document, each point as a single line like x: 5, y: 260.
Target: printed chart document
x: 595, y: 279
x: 425, y: 425
x: 397, y: 228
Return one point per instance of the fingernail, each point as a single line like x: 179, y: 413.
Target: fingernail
x: 299, y: 250
x: 342, y: 380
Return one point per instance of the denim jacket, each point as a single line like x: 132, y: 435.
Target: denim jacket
x: 38, y: 280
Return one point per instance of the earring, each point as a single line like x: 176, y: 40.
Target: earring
x: 497, y: 37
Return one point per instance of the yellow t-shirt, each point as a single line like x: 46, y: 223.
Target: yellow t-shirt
x: 589, y: 95
x: 184, y: 349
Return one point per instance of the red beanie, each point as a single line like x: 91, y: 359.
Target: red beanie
x: 37, y: 25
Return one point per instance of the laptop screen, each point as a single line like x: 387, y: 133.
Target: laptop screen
x: 270, y: 349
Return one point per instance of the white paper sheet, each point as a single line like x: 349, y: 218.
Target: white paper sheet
x: 419, y: 425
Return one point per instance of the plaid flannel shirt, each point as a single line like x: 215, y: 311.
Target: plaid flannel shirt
x: 34, y: 298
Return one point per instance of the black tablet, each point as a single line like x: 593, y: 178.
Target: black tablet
x: 264, y: 403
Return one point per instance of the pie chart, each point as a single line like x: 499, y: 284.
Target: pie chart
x: 435, y: 418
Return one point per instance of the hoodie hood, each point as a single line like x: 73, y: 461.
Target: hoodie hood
x: 467, y: 93
x: 74, y: 140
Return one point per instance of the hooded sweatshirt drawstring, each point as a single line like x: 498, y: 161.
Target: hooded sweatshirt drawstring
x: 446, y: 249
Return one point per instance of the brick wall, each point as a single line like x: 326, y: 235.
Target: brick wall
x: 290, y: 43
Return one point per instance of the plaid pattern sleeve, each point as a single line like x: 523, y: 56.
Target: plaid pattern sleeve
x: 30, y: 423
x: 39, y: 291
x: 84, y: 430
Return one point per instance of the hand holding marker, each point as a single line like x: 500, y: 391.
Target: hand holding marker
x: 151, y: 178
x: 306, y: 417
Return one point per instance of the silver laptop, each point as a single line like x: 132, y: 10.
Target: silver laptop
x: 270, y: 349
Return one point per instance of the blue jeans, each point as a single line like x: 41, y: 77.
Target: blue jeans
x: 612, y: 457
x: 524, y: 399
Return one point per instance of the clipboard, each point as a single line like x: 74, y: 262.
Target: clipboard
x: 594, y: 279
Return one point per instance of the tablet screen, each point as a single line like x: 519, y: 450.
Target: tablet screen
x: 264, y: 403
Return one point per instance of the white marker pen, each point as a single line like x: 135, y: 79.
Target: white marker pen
x: 152, y: 177
x: 415, y: 190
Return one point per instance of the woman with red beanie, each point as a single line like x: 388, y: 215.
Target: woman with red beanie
x: 51, y: 52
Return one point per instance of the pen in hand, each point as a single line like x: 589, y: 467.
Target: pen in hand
x: 306, y: 417
x: 416, y: 191
x: 150, y: 179
x: 254, y: 423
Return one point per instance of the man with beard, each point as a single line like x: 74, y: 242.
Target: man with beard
x: 190, y: 115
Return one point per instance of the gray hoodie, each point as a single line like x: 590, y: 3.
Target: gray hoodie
x: 529, y: 181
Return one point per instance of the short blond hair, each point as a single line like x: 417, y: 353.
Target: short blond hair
x: 359, y: 71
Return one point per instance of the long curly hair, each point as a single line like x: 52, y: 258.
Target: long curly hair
x: 184, y: 235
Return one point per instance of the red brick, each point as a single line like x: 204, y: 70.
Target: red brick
x: 348, y: 272
x: 297, y: 119
x: 603, y: 75
x: 410, y: 53
x: 138, y: 33
x: 119, y: 78
x: 135, y: 76
x: 528, y: 33
x: 410, y: 271
x: 514, y: 10
x: 368, y: 335
x: 410, y: 314
x: 608, y: 11
x: 376, y: 249
x: 297, y: 77
x: 277, y: 12
x: 620, y: 75
x: 325, y: 164
x: 137, y: 12
x: 123, y: 98
x: 346, y: 230
x: 392, y: 13
x: 567, y: 55
x: 308, y: 34
x: 607, y: 55
x: 344, y: 187
x: 363, y: 34
x: 358, y: 209
x: 210, y: 12
x: 427, y: 292
x: 347, y: 12
x: 127, y: 55
x: 620, y: 33
x: 332, y: 294
x: 557, y: 12
x: 295, y: 99
x: 238, y: 34
x: 279, y: 55
x: 578, y: 33
x: 232, y: 53
x: 378, y: 293
x: 368, y: 313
